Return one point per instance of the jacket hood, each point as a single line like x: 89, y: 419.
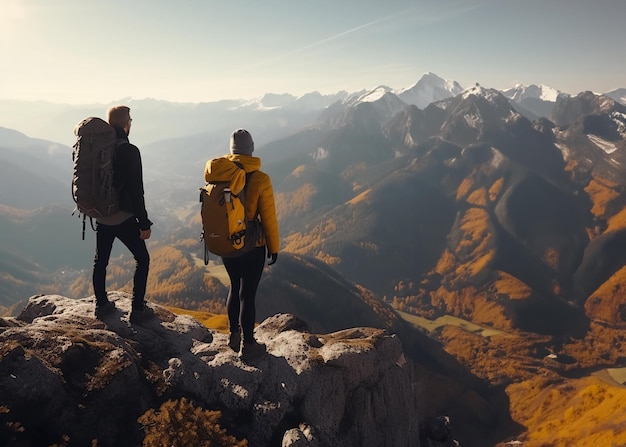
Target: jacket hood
x: 222, y: 169
x: 248, y: 162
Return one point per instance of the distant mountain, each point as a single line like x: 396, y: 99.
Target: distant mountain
x: 21, y: 277
x: 569, y: 110
x: 467, y: 183
x: 283, y: 112
x: 430, y: 88
x: 618, y: 95
x: 48, y: 237
x: 365, y: 108
x: 521, y: 92
x: 309, y: 101
x: 533, y: 101
x: 161, y: 120
x: 33, y: 172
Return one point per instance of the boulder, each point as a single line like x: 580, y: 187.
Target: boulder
x: 66, y: 377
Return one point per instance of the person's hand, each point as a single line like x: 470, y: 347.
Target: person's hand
x: 145, y: 234
x: 272, y: 257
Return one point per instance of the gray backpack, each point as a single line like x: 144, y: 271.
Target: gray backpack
x: 93, y: 190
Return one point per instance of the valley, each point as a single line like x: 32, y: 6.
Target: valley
x: 487, y: 236
x: 448, y: 320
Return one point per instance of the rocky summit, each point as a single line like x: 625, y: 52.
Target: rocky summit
x: 67, y: 378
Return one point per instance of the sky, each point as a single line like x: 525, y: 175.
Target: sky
x: 99, y: 51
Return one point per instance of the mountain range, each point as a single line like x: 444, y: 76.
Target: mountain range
x: 503, y: 210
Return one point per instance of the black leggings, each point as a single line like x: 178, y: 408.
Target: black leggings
x: 127, y: 232
x: 245, y: 273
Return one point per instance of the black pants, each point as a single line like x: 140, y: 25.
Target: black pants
x: 128, y: 233
x: 245, y: 274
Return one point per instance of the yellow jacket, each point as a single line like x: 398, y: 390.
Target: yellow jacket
x: 259, y: 192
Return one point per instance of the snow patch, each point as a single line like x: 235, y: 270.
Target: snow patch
x: 472, y: 119
x: 374, y: 95
x: 320, y: 154
x: 520, y: 92
x: 478, y: 90
x: 497, y: 159
x: 606, y: 146
x: 620, y: 121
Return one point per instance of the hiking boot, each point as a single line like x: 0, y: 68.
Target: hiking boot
x: 140, y: 313
x: 250, y: 350
x: 104, y: 308
x: 234, y: 341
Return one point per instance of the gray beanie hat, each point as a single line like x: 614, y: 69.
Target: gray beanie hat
x: 241, y: 142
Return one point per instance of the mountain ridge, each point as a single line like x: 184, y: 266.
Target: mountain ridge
x: 42, y: 118
x: 466, y: 210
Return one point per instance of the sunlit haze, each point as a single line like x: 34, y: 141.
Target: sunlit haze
x: 72, y: 51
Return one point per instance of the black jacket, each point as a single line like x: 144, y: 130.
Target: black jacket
x: 128, y: 180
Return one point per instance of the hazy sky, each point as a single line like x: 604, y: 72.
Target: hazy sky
x: 82, y: 51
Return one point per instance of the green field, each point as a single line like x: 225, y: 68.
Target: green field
x: 618, y: 374
x: 216, y: 270
x: 447, y: 320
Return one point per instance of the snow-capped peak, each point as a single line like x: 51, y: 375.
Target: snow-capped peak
x: 374, y: 95
x: 479, y: 90
x: 430, y: 88
x: 520, y: 92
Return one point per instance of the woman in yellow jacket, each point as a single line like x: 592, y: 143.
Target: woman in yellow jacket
x: 245, y: 271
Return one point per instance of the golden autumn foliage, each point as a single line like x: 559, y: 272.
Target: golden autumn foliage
x: 554, y: 408
x: 489, y: 312
x: 219, y: 322
x: 474, y: 225
x: 180, y: 423
x: 470, y: 349
x: 608, y: 302
x: 446, y: 263
x: 297, y: 243
x: 295, y: 203
x: 617, y: 222
x: 464, y: 188
x: 496, y: 189
x: 187, y: 243
x: 360, y: 197
x: 471, y: 253
x: 327, y: 258
x: 470, y: 269
x: 510, y: 286
x: 571, y: 165
x: 601, y: 192
x: 301, y: 169
x: 575, y: 412
x: 469, y: 303
x: 473, y: 250
x: 175, y: 278
x: 601, y: 345
x: 478, y: 197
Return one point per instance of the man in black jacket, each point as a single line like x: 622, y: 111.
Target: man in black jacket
x: 130, y: 225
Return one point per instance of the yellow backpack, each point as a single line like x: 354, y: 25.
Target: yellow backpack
x: 225, y: 230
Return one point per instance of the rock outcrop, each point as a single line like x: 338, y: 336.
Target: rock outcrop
x: 67, y: 378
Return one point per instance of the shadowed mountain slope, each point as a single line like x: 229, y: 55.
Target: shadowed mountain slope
x: 453, y: 199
